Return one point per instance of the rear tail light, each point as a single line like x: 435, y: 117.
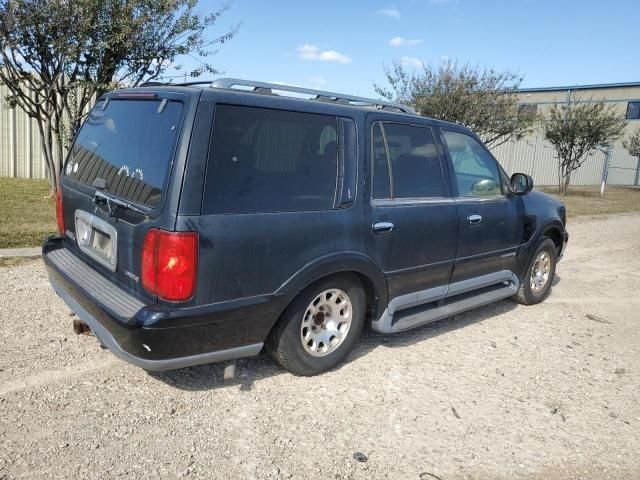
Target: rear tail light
x: 59, y: 211
x: 170, y: 264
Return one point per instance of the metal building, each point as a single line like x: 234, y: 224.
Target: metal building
x: 21, y: 154
x: 535, y: 156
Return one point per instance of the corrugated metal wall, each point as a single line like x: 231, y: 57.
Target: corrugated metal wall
x: 20, y: 150
x: 21, y: 155
x: 535, y: 156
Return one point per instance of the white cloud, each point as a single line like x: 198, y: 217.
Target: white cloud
x: 403, y: 42
x: 390, y: 12
x: 411, y: 62
x: 317, y: 80
x: 311, y: 52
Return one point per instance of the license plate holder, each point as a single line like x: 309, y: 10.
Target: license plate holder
x: 97, y: 238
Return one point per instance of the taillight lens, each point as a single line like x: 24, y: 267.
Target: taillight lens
x: 59, y: 211
x: 170, y: 264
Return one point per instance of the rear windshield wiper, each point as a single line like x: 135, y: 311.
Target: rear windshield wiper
x: 114, y: 204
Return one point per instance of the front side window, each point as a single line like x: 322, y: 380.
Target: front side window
x: 264, y: 160
x: 476, y: 172
x: 405, y: 161
x: 633, y: 111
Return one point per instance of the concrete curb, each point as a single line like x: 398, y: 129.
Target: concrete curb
x: 20, y: 252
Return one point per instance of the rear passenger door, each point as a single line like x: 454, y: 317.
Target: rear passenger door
x: 412, y: 219
x: 491, y: 220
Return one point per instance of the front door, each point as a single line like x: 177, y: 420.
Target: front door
x: 491, y: 221
x: 412, y: 219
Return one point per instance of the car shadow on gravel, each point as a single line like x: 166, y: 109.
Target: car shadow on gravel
x: 252, y: 369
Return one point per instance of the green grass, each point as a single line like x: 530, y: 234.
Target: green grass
x: 27, y: 212
x: 588, y: 201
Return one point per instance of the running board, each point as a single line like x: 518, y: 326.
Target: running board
x: 413, y: 310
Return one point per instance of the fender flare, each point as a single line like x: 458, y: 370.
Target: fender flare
x: 340, y: 262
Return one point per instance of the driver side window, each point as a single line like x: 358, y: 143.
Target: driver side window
x: 477, y: 174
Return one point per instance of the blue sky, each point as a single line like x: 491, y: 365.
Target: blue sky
x: 342, y: 45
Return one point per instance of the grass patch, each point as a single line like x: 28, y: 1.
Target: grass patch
x: 588, y: 201
x: 27, y: 212
x: 6, y: 262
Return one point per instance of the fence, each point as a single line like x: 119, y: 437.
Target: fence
x: 21, y: 155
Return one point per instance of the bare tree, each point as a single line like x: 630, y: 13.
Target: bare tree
x: 484, y: 100
x: 632, y: 144
x: 56, y: 56
x: 576, y: 130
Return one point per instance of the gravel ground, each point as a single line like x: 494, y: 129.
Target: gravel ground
x: 504, y: 391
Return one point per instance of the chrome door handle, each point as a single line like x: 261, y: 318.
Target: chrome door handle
x: 474, y: 219
x: 382, y: 227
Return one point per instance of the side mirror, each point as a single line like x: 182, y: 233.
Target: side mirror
x: 521, y: 183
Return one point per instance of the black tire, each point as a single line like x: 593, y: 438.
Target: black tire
x: 285, y: 344
x: 526, y: 295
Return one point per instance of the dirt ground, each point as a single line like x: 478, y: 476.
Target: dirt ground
x: 504, y: 391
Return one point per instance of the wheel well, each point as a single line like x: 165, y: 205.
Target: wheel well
x: 372, y: 298
x: 370, y: 294
x: 554, y: 234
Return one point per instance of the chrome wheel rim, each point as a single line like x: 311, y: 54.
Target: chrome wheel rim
x: 540, y: 272
x: 326, y: 322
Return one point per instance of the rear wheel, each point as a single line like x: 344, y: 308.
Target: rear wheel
x: 320, y: 327
x: 536, y: 282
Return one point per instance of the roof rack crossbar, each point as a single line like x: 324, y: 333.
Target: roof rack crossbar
x: 318, y: 94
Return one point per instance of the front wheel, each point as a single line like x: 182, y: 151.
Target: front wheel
x: 320, y: 327
x: 536, y: 282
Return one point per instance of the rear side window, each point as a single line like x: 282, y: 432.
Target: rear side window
x: 406, y: 163
x: 129, y: 144
x: 263, y: 160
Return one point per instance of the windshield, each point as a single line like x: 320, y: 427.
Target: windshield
x: 125, y: 148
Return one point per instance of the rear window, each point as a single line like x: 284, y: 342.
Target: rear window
x: 264, y: 160
x: 129, y: 144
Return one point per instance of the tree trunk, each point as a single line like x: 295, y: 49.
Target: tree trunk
x: 44, y: 127
x: 567, y: 180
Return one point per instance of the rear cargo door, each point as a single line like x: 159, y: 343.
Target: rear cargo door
x: 119, y: 178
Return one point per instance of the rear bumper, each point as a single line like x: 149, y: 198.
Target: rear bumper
x: 153, y: 336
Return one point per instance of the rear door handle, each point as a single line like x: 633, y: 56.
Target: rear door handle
x: 382, y: 227
x: 474, y: 219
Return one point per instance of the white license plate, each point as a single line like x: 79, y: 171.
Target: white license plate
x: 101, y: 243
x: 97, y: 238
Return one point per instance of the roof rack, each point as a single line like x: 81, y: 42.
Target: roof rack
x: 318, y: 95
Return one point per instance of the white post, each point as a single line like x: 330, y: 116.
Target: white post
x: 605, y: 169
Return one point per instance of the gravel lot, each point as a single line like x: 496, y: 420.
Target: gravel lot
x: 504, y: 391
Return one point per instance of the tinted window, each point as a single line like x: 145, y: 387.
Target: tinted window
x: 265, y: 160
x: 413, y: 156
x: 476, y: 171
x: 633, y: 110
x: 130, y: 145
x: 381, y: 183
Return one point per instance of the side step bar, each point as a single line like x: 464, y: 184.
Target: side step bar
x: 416, y: 309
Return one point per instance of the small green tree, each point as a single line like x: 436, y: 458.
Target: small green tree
x: 484, y: 100
x: 632, y: 144
x: 576, y: 130
x: 57, y: 56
